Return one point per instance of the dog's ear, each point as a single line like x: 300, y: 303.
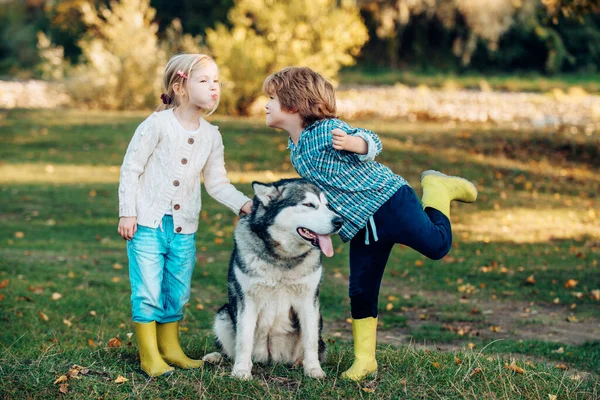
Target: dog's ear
x: 265, y: 192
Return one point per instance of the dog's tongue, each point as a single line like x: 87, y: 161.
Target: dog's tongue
x: 325, y: 245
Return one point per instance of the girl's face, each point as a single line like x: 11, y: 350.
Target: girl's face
x: 203, y: 86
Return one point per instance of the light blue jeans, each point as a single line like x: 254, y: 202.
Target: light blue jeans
x: 160, y: 272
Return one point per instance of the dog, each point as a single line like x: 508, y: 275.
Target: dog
x: 273, y: 314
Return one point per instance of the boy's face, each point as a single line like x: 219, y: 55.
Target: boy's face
x: 276, y: 117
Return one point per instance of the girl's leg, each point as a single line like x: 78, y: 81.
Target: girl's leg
x: 180, y: 260
x: 146, y: 263
x: 146, y: 253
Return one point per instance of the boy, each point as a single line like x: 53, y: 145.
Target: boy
x: 379, y: 207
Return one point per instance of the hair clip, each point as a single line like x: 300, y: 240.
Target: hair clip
x: 181, y: 74
x: 166, y: 99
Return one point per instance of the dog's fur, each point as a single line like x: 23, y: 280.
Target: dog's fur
x: 273, y: 312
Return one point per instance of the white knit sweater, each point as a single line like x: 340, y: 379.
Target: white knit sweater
x: 161, y: 171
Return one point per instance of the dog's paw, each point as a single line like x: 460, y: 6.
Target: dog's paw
x: 213, y: 358
x: 241, y: 373
x: 315, y: 372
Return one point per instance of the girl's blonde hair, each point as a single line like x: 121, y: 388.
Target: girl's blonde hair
x: 186, y: 64
x: 302, y: 90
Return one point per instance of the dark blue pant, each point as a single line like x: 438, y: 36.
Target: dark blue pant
x: 402, y: 220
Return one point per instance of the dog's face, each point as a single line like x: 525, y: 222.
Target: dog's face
x: 296, y: 215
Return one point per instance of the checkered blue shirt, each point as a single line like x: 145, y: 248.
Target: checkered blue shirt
x: 355, y: 185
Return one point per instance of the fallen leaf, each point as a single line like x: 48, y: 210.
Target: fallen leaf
x: 43, y: 316
x: 63, y: 388
x: 552, y: 397
x: 67, y: 322
x: 514, y: 367
x: 560, y: 350
x: 219, y: 240
x: 121, y: 379
x: 476, y: 371
x: 389, y: 306
x: 368, y: 390
x: 117, y: 266
x: 114, y: 342
x: 91, y: 343
x: 115, y: 279
x: 199, y: 306
x: 595, y: 294
x: 571, y: 318
x: 562, y: 366
x: 93, y: 313
x: 437, y: 364
x: 92, y: 193
x: 457, y: 361
x: 530, y: 280
x: 60, y: 379
x: 56, y: 296
x: 495, y: 328
x: 571, y: 283
x: 1, y: 297
x: 4, y: 283
x: 19, y: 235
x: 471, y: 346
x: 419, y: 263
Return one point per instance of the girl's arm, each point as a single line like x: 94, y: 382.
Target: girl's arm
x: 140, y: 148
x: 216, y: 182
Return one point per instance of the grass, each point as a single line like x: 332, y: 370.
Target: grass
x: 515, y: 82
x: 65, y: 290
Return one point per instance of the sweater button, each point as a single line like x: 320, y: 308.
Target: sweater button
x: 191, y: 140
x: 184, y: 161
x: 175, y: 183
x: 178, y: 229
x: 176, y: 207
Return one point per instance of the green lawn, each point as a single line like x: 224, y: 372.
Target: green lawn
x: 519, y: 288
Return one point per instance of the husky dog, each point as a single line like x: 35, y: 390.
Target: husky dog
x: 275, y: 271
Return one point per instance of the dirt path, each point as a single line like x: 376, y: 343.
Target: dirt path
x: 513, y: 320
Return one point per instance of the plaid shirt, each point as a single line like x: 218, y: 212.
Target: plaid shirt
x: 355, y: 185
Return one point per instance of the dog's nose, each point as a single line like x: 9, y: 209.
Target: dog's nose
x: 337, y: 222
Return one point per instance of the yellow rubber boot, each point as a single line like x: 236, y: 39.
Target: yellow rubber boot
x: 364, y: 331
x: 151, y: 361
x: 170, y: 349
x: 440, y: 189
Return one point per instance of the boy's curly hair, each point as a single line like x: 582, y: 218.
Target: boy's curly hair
x: 302, y: 90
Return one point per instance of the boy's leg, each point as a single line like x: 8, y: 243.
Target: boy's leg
x: 180, y: 261
x: 367, y: 263
x: 402, y: 220
x: 146, y: 264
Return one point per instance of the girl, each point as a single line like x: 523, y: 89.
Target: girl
x: 378, y: 206
x: 159, y: 204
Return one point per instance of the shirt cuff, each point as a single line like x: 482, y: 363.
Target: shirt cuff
x: 371, y: 147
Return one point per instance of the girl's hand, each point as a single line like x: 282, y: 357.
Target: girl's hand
x: 246, y: 208
x: 127, y: 227
x: 339, y: 139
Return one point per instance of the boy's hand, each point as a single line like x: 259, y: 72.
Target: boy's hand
x: 342, y: 141
x: 246, y: 208
x: 127, y: 227
x: 339, y: 139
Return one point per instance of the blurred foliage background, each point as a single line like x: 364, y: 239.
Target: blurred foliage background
x: 110, y: 54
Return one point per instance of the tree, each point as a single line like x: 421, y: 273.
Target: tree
x: 123, y: 61
x: 267, y: 35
